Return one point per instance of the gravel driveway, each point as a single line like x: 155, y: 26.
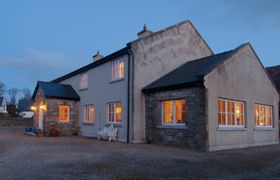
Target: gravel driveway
x: 26, y: 157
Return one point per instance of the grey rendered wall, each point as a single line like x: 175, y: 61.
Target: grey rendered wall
x: 101, y: 90
x: 241, y: 78
x: 155, y: 56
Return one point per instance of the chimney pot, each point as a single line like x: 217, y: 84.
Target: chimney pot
x: 97, y: 56
x: 145, y: 32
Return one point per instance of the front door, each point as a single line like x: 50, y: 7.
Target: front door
x: 41, y: 115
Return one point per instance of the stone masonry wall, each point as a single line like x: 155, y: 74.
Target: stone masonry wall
x: 51, y: 117
x: 193, y: 135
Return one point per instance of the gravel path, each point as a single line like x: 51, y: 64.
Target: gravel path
x: 26, y: 157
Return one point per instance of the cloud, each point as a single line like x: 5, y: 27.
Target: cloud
x: 24, y: 71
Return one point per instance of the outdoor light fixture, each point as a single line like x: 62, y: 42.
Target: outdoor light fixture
x: 43, y: 107
x: 33, y: 108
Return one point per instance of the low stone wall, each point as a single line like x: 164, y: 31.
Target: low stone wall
x: 11, y: 122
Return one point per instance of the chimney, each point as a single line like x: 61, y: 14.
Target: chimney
x: 144, y: 33
x: 97, y: 56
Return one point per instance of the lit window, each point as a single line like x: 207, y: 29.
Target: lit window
x: 84, y: 81
x: 117, y: 69
x: 63, y: 113
x: 115, y: 112
x: 263, y: 115
x: 174, y: 112
x: 89, y: 113
x: 230, y: 113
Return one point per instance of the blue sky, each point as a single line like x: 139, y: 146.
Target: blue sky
x: 42, y: 40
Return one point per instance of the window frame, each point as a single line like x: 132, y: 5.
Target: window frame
x: 114, y: 112
x: 264, y: 116
x: 234, y: 113
x: 117, y: 69
x: 83, y: 75
x: 87, y: 115
x: 173, y: 113
x: 68, y: 112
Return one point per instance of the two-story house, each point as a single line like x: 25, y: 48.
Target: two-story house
x: 130, y: 88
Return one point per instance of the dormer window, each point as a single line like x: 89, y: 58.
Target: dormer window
x: 117, y: 69
x: 84, y: 81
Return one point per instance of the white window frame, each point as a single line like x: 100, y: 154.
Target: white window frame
x: 116, y: 70
x: 264, y: 115
x: 114, y: 112
x: 68, y: 112
x: 173, y: 113
x: 234, y: 112
x: 83, y: 81
x: 87, y: 115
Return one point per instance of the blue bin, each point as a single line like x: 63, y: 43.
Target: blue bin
x: 28, y: 129
x: 36, y: 131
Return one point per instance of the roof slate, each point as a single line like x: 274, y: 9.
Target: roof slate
x: 190, y: 73
x: 55, y: 90
x: 24, y: 104
x: 274, y: 73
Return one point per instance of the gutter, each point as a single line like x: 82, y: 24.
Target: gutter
x: 130, y: 72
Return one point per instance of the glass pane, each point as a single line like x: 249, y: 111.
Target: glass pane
x: 178, y: 108
x: 238, y: 113
x: 168, y: 112
x: 184, y: 117
x: 261, y: 118
x: 256, y: 115
x: 91, y: 113
x: 118, y: 112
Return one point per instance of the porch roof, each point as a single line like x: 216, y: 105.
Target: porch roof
x: 55, y: 90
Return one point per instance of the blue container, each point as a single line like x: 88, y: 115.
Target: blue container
x: 36, y: 131
x: 28, y: 129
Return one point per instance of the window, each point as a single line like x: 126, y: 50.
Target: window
x: 84, y: 81
x: 263, y: 115
x: 115, y: 112
x: 230, y: 113
x: 89, y: 113
x: 118, y: 69
x: 174, y: 112
x: 63, y: 113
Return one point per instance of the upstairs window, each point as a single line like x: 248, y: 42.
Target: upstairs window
x: 63, y: 113
x: 84, y: 81
x: 115, y: 112
x: 174, y: 112
x: 117, y: 69
x: 231, y: 113
x: 89, y: 113
x: 263, y: 115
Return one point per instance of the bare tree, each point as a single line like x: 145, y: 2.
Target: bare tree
x: 13, y: 95
x: 26, y: 93
x: 2, y: 88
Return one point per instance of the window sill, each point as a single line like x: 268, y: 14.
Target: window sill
x: 88, y: 124
x: 83, y: 89
x: 232, y: 129
x: 171, y: 127
x: 263, y: 128
x: 117, y: 80
x: 62, y: 122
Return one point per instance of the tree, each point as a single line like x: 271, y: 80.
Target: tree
x: 13, y: 95
x: 26, y: 93
x: 2, y: 88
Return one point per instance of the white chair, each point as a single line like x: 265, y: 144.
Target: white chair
x: 107, y: 132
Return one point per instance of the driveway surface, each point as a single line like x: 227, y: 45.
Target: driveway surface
x: 27, y: 157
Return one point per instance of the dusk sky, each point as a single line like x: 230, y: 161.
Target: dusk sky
x: 42, y: 40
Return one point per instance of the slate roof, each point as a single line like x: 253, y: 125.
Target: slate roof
x: 92, y: 65
x: 54, y: 90
x: 274, y: 73
x: 190, y: 73
x: 24, y: 104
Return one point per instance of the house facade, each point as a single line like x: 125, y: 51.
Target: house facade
x: 24, y: 108
x: 114, y: 90
x: 3, y: 105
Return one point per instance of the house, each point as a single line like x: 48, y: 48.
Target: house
x: 24, y: 108
x: 274, y: 72
x: 131, y: 87
x: 3, y: 105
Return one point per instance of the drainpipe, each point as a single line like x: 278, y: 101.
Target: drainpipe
x: 131, y: 65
